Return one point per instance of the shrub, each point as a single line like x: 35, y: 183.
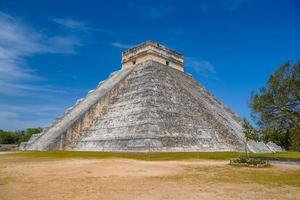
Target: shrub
x: 249, y: 162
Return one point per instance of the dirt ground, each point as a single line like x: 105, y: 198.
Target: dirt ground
x: 133, y: 179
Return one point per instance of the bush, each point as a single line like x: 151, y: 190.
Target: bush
x: 249, y: 162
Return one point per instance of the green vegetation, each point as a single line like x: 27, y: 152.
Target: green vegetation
x: 250, y: 134
x: 249, y: 162
x: 276, y: 107
x: 9, y: 137
x: 149, y: 156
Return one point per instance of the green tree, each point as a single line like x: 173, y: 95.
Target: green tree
x: 8, y: 137
x: 295, y: 140
x: 25, y: 135
x: 276, y: 107
x: 250, y: 134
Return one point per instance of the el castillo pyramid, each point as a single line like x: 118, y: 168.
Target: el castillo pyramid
x: 148, y: 105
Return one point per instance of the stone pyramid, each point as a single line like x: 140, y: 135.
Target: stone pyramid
x: 149, y: 105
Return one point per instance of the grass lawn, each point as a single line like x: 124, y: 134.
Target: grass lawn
x: 148, y: 156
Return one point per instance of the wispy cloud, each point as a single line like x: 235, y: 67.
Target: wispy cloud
x: 46, y: 110
x: 62, y: 44
x: 15, y: 117
x: 75, y: 25
x: 154, y: 11
x: 18, y: 41
x: 17, y: 123
x: 21, y: 89
x: 71, y: 23
x: 8, y: 114
x: 121, y: 45
x: 201, y: 67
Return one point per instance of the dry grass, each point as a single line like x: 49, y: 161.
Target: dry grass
x: 49, y: 176
x: 271, y: 176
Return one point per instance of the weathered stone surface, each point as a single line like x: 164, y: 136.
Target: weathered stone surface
x: 147, y: 107
x: 274, y: 147
x: 8, y: 147
x: 258, y: 147
x: 162, y: 109
x: 66, y: 129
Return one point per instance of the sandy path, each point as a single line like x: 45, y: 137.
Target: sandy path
x: 128, y: 179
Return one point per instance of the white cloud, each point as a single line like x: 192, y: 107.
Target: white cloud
x: 200, y: 65
x: 76, y: 25
x: 71, y: 23
x: 14, y: 124
x: 202, y: 68
x: 13, y: 117
x: 155, y: 12
x: 19, y: 41
x: 121, y: 45
x: 8, y: 115
x: 45, y: 110
x: 62, y: 44
x: 20, y: 89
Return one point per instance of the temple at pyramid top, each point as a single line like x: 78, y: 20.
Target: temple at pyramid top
x: 154, y: 51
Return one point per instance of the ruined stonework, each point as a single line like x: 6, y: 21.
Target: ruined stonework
x: 147, y: 106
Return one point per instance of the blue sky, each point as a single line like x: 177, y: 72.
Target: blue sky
x: 54, y: 52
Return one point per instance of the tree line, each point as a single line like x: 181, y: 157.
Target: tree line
x: 16, y: 137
